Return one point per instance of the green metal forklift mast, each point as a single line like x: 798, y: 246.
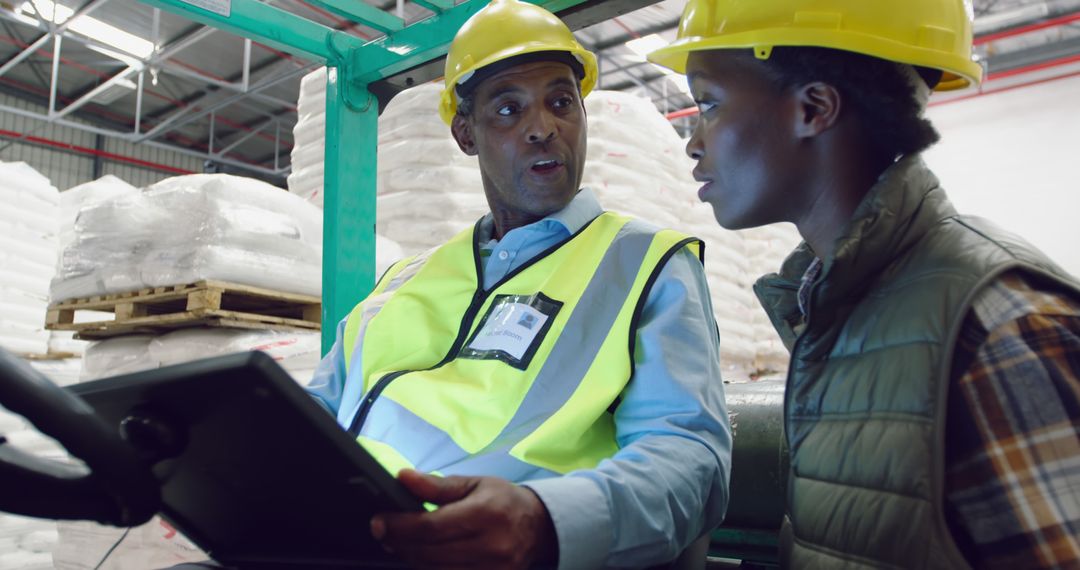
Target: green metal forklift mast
x: 351, y: 112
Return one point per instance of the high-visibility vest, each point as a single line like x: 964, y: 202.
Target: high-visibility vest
x: 519, y: 380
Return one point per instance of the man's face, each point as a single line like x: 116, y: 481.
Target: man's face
x: 528, y: 130
x: 743, y: 143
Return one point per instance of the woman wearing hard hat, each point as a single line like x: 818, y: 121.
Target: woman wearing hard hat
x: 933, y: 402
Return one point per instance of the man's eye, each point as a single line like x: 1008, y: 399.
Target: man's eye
x: 563, y: 102
x: 507, y: 109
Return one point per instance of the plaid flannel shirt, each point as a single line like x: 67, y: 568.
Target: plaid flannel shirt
x: 1013, y: 429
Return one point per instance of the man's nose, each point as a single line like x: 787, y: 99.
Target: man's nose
x: 541, y: 127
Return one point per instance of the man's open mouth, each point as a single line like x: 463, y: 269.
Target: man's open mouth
x: 543, y: 166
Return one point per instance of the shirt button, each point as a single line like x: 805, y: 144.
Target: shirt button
x: 503, y: 255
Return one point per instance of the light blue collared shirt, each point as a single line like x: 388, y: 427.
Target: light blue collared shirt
x: 668, y: 483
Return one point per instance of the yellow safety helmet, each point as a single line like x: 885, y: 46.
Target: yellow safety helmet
x: 506, y: 29
x: 927, y: 33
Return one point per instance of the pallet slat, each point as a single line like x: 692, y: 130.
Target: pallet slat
x: 205, y: 303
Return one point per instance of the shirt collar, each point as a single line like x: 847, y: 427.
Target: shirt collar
x: 580, y: 211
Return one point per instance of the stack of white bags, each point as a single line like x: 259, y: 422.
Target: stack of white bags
x: 428, y: 191
x: 188, y: 228
x: 28, y: 242
x: 306, y: 178
x: 34, y: 220
x: 72, y: 201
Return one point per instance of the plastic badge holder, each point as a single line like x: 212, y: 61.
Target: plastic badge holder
x: 252, y: 470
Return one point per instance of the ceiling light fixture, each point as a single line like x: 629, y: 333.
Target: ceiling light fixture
x: 90, y: 27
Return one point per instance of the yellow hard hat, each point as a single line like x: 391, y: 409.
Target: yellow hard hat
x: 927, y: 33
x: 506, y: 29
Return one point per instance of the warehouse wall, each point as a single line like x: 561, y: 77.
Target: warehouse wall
x: 66, y: 169
x: 1014, y: 157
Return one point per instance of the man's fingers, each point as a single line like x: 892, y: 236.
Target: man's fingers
x: 438, y: 490
x: 447, y: 523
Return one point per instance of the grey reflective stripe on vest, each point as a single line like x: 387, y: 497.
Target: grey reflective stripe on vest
x: 421, y: 439
x: 409, y: 271
x: 374, y: 304
x: 601, y: 302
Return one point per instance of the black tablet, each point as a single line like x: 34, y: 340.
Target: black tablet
x: 252, y: 469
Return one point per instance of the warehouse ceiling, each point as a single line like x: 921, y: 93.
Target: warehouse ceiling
x: 233, y: 101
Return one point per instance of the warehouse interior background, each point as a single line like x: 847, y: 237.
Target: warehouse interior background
x: 145, y: 94
x: 118, y: 88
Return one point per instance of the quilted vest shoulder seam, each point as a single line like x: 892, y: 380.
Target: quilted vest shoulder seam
x: 866, y: 489
x: 840, y: 417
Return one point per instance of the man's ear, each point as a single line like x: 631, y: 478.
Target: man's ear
x: 817, y: 109
x: 461, y: 128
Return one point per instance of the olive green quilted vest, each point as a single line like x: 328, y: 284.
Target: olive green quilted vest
x: 865, y: 403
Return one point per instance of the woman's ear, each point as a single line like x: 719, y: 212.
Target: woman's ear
x: 817, y: 109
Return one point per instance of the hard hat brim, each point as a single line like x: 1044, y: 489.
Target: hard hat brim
x: 959, y: 73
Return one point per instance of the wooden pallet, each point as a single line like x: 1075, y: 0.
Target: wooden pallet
x: 202, y: 304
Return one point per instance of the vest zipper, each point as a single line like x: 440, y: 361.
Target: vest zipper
x: 478, y: 300
x: 787, y: 385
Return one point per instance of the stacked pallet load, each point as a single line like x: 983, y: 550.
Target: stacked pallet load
x: 188, y: 268
x: 28, y: 243
x: 307, y: 177
x: 197, y: 250
x: 29, y: 224
x: 72, y: 201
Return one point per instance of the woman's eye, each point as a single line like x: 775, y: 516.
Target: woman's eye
x: 705, y: 106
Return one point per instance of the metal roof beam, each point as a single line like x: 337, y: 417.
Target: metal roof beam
x: 403, y: 65
x: 131, y: 138
x: 269, y: 25
x: 49, y: 33
x: 252, y: 132
x: 169, y: 50
x: 177, y: 46
x: 89, y: 96
x: 647, y: 30
x: 610, y: 65
x: 179, y: 119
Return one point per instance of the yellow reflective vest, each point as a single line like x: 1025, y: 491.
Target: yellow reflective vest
x: 519, y: 380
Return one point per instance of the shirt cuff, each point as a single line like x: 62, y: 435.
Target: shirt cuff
x: 581, y: 517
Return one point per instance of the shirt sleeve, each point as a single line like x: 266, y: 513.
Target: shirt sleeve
x: 1013, y: 433
x: 328, y: 383
x: 668, y: 484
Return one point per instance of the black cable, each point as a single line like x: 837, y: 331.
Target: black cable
x: 112, y: 548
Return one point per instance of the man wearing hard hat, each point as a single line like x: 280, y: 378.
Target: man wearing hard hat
x: 933, y: 403
x: 556, y: 365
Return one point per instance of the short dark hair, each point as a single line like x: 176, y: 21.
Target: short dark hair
x: 878, y: 91
x: 465, y: 106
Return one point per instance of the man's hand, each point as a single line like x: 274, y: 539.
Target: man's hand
x: 482, y: 522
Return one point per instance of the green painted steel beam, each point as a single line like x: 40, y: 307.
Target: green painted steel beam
x: 422, y: 41
x: 267, y: 25
x: 436, y: 6
x: 352, y: 123
x: 363, y: 13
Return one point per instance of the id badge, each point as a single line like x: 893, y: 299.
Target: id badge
x: 513, y: 329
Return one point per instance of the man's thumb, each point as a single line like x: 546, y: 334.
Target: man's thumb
x: 433, y: 489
